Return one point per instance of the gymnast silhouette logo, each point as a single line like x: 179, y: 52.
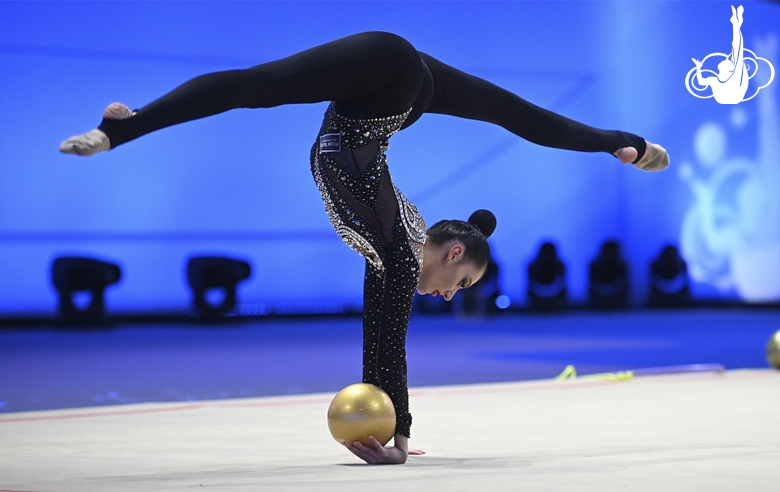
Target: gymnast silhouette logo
x: 730, y: 84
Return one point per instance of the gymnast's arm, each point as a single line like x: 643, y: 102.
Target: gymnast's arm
x: 702, y: 81
x: 387, y: 303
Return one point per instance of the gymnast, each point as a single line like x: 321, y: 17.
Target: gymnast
x: 731, y: 83
x: 377, y: 84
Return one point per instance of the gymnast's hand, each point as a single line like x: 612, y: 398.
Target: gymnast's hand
x: 375, y: 454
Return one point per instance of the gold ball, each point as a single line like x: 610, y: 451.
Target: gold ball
x: 773, y: 350
x: 359, y: 411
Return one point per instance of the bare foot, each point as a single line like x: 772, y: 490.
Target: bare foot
x: 95, y: 141
x: 626, y: 155
x: 117, y: 111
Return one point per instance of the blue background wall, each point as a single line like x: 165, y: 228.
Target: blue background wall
x: 239, y: 183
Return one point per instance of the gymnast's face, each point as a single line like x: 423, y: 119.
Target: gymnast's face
x: 445, y: 272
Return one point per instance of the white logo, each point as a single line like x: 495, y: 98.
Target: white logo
x: 730, y: 83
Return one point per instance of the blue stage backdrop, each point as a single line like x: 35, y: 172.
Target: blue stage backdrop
x: 239, y: 183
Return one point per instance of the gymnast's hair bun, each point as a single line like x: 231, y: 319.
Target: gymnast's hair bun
x: 484, y: 220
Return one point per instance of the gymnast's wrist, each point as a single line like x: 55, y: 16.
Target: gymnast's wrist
x: 401, y: 442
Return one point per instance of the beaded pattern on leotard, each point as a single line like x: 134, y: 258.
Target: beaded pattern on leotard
x: 355, y: 134
x: 413, y: 223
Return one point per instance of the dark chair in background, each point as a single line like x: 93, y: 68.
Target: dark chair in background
x: 669, y: 283
x: 547, y: 280
x: 608, y: 279
x: 71, y: 275
x: 205, y: 273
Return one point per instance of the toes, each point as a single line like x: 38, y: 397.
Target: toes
x: 87, y: 144
x: 69, y: 147
x: 72, y: 148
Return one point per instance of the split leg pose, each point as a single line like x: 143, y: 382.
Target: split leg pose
x: 378, y: 84
x: 367, y: 75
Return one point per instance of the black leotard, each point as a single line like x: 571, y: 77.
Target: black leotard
x: 378, y: 84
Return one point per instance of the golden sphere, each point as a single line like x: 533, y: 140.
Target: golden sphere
x: 361, y: 410
x: 773, y: 350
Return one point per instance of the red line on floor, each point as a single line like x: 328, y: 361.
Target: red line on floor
x: 101, y: 414
x: 275, y: 403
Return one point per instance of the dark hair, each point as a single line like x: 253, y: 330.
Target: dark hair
x: 472, y: 234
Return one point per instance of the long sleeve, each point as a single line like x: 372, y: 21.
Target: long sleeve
x: 387, y: 304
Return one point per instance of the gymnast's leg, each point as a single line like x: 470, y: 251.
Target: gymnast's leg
x: 459, y: 94
x: 370, y: 74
